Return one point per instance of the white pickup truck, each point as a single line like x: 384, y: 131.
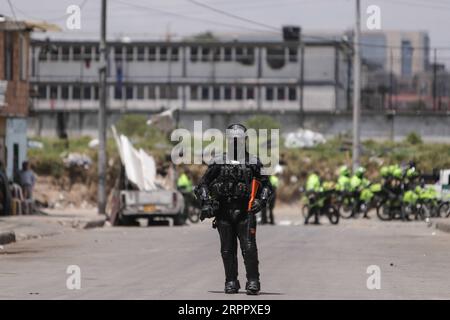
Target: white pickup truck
x: 130, y: 204
x: 138, y: 193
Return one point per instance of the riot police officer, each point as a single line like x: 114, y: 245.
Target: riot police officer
x: 225, y: 191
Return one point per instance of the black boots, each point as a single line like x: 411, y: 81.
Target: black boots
x: 232, y: 287
x: 253, y: 287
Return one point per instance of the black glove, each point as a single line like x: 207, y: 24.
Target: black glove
x: 257, y: 205
x: 207, y: 212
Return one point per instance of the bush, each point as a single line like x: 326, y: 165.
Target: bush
x: 414, y: 138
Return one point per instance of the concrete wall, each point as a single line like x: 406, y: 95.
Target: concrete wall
x: 373, y: 126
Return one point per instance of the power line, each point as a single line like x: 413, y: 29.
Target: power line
x: 231, y: 15
x: 165, y: 12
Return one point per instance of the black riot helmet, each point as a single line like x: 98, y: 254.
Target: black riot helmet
x: 236, y: 135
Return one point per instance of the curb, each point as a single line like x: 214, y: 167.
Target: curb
x: 442, y: 226
x: 7, y: 237
x: 96, y: 223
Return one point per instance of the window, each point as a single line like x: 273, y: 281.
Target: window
x: 269, y: 93
x: 76, y: 92
x: 152, y: 92
x: 194, y: 54
x: 168, y: 92
x: 239, y: 93
x: 174, y: 54
x: 87, y: 53
x: 205, y: 93
x: 65, y: 92
x: 53, y: 92
x: 42, y: 53
x: 227, y: 93
x: 129, y: 92
x: 129, y: 53
x: 163, y: 92
x: 151, y: 53
x: 8, y: 52
x: 228, y: 54
x: 275, y: 57
x: 173, y: 92
x: 140, y: 53
x: 76, y: 53
x: 163, y: 54
x: 292, y: 93
x: 250, y: 93
x: 54, y: 53
x: 194, y: 93
x: 118, y: 92
x: 216, y: 93
x: 217, y: 53
x: 239, y: 53
x: 205, y: 54
x: 65, y: 53
x: 87, y: 92
x: 293, y: 55
x: 118, y: 53
x: 280, y: 93
x: 406, y: 58
x: 97, y: 53
x: 245, y: 56
x: 42, y: 92
x: 140, y: 92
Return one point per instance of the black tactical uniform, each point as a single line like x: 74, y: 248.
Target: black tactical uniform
x: 225, y: 191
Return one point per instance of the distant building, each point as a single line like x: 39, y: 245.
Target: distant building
x: 403, y: 53
x: 194, y: 75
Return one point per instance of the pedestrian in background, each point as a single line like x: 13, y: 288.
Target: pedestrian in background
x: 27, y: 180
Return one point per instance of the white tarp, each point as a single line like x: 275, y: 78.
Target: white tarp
x: 140, y: 167
x: 303, y: 138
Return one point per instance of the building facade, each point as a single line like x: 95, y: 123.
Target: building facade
x: 194, y: 76
x: 14, y: 93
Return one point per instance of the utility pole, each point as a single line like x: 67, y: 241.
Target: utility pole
x: 102, y: 116
x: 434, y: 78
x: 356, y: 88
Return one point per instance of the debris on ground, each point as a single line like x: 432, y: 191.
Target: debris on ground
x: 303, y: 138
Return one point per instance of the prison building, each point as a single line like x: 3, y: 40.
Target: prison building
x: 208, y: 76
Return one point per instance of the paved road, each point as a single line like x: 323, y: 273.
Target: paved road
x: 297, y: 262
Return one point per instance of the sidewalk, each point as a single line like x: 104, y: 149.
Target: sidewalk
x: 17, y: 228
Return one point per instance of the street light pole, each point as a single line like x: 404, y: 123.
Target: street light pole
x: 102, y: 116
x: 356, y: 88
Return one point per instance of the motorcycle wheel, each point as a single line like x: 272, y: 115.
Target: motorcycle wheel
x: 194, y: 214
x: 407, y: 211
x: 384, y: 212
x: 333, y: 215
x: 346, y: 210
x: 444, y: 209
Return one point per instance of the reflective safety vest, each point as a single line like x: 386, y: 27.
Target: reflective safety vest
x: 184, y: 183
x: 274, y: 181
x: 313, y: 182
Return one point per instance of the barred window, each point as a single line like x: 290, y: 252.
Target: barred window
x: 292, y: 93
x: 151, y: 53
x: 269, y: 93
x: 87, y: 92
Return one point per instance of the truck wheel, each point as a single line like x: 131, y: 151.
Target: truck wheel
x: 179, y: 220
x: 126, y: 221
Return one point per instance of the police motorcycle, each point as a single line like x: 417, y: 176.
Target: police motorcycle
x: 321, y: 202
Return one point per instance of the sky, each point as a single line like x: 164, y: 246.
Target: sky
x: 156, y: 19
